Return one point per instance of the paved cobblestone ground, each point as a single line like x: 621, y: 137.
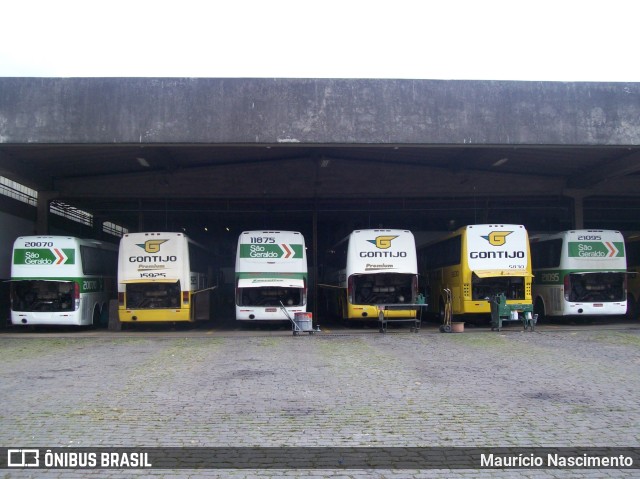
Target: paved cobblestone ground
x: 549, y: 388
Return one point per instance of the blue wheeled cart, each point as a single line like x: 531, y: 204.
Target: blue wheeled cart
x: 501, y: 312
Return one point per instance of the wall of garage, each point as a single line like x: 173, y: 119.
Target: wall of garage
x: 316, y: 111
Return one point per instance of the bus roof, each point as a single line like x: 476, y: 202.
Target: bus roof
x: 578, y: 235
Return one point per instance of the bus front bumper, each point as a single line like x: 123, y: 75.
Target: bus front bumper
x: 365, y: 312
x: 154, y: 315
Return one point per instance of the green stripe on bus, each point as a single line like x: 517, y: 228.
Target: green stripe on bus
x: 271, y: 275
x: 260, y: 251
x: 44, y: 256
x: 556, y: 276
x: 596, y: 249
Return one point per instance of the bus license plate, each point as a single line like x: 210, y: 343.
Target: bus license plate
x: 271, y: 310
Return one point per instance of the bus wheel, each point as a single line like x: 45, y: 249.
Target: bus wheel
x: 632, y: 313
x: 538, y: 308
x: 104, y: 316
x: 95, y: 322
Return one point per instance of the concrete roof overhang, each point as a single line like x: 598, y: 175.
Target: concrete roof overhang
x: 121, y: 146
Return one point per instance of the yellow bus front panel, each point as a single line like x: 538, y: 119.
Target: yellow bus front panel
x: 484, y: 307
x: 154, y: 315
x: 157, y: 316
x: 368, y: 312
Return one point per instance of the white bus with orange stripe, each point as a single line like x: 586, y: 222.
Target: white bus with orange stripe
x: 579, y: 272
x: 61, y: 280
x: 271, y: 272
x: 159, y: 276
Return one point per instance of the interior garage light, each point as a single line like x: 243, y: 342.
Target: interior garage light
x: 143, y: 162
x: 501, y: 161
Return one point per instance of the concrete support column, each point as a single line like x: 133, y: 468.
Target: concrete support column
x: 42, y: 217
x: 140, y: 217
x: 578, y: 207
x: 314, y: 272
x: 97, y: 227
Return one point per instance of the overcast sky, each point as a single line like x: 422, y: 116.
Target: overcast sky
x: 563, y: 40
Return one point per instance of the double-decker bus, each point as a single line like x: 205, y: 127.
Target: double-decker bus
x: 475, y: 263
x: 271, y: 274
x: 368, y: 268
x: 62, y: 280
x: 579, y: 272
x: 160, y: 277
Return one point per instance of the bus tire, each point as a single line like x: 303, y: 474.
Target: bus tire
x: 632, y: 306
x: 538, y: 308
x: 104, y: 315
x: 95, y: 322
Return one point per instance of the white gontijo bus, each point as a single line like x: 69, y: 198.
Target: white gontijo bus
x: 368, y: 268
x: 159, y: 275
x: 579, y: 272
x: 61, y: 280
x: 271, y: 268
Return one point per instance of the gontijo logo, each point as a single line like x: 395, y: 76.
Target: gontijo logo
x: 497, y: 238
x: 152, y: 246
x: 382, y: 242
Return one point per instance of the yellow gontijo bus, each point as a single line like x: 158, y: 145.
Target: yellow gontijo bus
x: 368, y: 268
x: 475, y: 263
x: 159, y: 276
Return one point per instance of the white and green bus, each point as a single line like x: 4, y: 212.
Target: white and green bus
x: 271, y: 276
x: 579, y: 273
x: 62, y: 280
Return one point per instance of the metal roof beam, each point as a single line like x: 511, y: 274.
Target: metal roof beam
x: 622, y: 166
